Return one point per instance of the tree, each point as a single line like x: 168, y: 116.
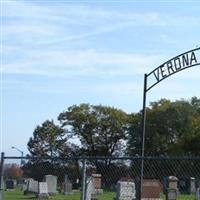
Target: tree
x: 48, y: 140
x: 191, y: 140
x: 169, y: 128
x: 13, y: 171
x: 101, y: 129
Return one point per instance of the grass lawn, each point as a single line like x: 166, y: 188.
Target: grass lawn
x: 17, y: 194
x: 181, y: 197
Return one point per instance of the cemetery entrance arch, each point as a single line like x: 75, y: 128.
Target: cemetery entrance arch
x: 181, y: 62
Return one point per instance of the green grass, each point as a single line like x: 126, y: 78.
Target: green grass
x: 17, y: 195
x: 181, y: 197
x: 185, y: 197
x: 106, y: 196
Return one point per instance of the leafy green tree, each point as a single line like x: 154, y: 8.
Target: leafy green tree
x: 191, y: 140
x: 102, y: 130
x: 48, y: 140
x: 169, y: 128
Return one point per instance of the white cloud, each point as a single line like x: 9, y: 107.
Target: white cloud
x: 68, y: 22
x: 31, y: 25
x: 89, y: 63
x: 81, y: 63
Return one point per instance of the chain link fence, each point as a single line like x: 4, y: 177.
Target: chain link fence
x: 101, y: 178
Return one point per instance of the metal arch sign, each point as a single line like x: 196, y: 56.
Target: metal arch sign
x: 183, y: 61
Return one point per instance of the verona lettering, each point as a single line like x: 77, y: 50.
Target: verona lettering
x: 174, y: 65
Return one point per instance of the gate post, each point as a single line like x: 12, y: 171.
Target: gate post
x: 1, y: 176
x: 83, y: 188
x: 142, y: 138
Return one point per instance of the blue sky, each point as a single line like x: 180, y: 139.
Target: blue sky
x: 59, y: 53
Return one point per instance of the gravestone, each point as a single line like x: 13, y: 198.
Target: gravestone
x: 151, y: 189
x: 187, y: 185
x: 97, y: 180
x: 10, y: 184
x: 32, y: 186
x: 184, y: 185
x: 24, y: 187
x: 97, y: 183
x: 67, y: 186
x: 51, y: 184
x: 171, y: 194
x: 90, y: 189
x: 15, y: 183
x: 20, y: 183
x: 197, y: 194
x: 42, y: 190
x: 125, y: 190
x: 192, y: 185
x: 173, y: 183
x: 172, y: 189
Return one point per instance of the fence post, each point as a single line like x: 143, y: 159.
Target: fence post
x: 197, y: 193
x: 1, y: 175
x: 83, y: 188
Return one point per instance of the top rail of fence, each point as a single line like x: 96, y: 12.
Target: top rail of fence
x: 106, y: 157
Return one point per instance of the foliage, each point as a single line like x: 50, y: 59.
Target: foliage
x: 171, y: 128
x: 37, y: 169
x: 13, y: 171
x: 101, y: 130
x: 48, y: 140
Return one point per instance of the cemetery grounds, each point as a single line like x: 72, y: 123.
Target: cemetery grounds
x: 154, y: 167
x: 18, y: 195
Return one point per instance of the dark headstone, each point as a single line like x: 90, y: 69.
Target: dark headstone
x: 97, y: 181
x: 151, y: 189
x: 10, y: 185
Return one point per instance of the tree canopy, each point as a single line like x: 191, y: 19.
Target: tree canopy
x: 48, y: 140
x: 172, y: 128
x: 101, y: 129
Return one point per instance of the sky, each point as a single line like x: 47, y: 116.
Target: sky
x: 55, y: 54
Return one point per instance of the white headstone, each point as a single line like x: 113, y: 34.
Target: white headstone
x: 42, y: 190
x: 67, y: 186
x: 51, y: 184
x: 197, y: 196
x: 173, y: 183
x: 32, y: 186
x: 192, y: 185
x: 171, y: 194
x: 24, y: 186
x: 90, y: 189
x: 125, y: 190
